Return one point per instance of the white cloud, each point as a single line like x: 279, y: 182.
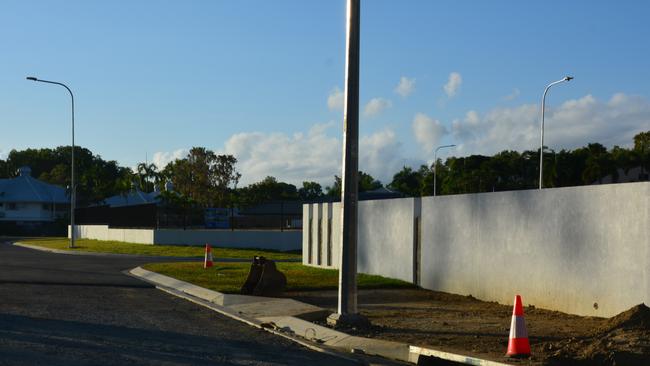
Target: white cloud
x: 314, y: 156
x: 453, y: 84
x: 291, y: 158
x: 512, y: 96
x: 428, y: 131
x: 161, y: 158
x: 380, y: 155
x: 375, y: 106
x: 573, y: 124
x: 4, y: 153
x: 335, y: 99
x: 405, y: 87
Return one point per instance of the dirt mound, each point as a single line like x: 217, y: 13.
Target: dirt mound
x: 637, y: 317
x: 622, y: 340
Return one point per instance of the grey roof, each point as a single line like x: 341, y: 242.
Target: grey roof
x: 24, y: 188
x: 134, y: 197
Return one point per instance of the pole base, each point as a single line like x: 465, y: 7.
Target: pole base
x: 337, y: 320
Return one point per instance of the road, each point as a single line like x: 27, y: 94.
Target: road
x: 58, y: 309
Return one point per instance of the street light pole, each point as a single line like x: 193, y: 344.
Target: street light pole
x: 435, y: 161
x: 347, y: 300
x: 541, y: 136
x: 72, y: 185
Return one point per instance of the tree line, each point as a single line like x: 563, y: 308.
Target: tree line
x: 205, y: 179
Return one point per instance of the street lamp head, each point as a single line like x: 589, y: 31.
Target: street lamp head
x: 568, y: 78
x: 31, y: 78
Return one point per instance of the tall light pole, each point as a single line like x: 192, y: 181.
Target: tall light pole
x: 541, y: 136
x: 347, y: 302
x: 435, y: 161
x: 72, y: 185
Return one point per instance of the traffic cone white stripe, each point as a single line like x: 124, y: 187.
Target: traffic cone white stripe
x: 207, y: 262
x: 518, y: 327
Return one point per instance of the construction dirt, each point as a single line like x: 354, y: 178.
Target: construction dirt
x: 465, y: 325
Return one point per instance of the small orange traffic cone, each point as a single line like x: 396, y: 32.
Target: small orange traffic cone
x: 518, y: 345
x: 208, y: 256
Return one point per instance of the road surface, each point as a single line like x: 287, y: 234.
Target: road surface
x: 58, y: 309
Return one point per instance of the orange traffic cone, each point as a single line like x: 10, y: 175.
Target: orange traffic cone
x: 208, y: 256
x: 518, y: 345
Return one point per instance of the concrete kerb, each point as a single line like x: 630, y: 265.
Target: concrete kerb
x: 243, y: 308
x: 166, y: 285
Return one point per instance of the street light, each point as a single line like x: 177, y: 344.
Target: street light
x: 72, y: 185
x: 541, y: 138
x: 435, y: 160
x: 347, y: 312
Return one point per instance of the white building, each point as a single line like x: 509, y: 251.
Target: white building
x: 28, y: 200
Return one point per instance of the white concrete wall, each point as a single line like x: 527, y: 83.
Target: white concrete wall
x: 306, y: 234
x: 386, y: 238
x: 286, y: 240
x: 564, y: 249
x: 103, y: 232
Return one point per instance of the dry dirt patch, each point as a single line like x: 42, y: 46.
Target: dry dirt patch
x: 465, y: 325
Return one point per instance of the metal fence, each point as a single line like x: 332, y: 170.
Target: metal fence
x: 270, y: 216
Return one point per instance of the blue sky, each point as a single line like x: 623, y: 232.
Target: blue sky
x: 259, y: 79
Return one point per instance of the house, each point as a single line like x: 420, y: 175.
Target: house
x: 132, y: 198
x: 25, y: 200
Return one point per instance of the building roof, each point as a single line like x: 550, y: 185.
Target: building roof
x: 24, y: 188
x: 132, y: 198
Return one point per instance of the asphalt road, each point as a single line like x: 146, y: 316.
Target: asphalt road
x: 58, y: 309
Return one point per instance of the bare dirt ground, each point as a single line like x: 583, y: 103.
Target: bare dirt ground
x: 465, y: 325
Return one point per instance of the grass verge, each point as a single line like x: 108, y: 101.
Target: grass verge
x: 229, y: 277
x: 118, y: 247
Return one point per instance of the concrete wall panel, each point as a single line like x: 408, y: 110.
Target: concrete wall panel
x: 386, y: 238
x: 581, y: 250
x: 570, y: 249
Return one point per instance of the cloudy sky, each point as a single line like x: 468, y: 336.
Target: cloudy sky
x: 263, y: 80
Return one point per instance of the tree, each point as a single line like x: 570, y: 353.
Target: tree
x: 642, y: 149
x: 96, y: 178
x: 310, y: 191
x: 598, y: 164
x: 147, y: 176
x: 266, y: 190
x: 366, y: 183
x: 407, y: 181
x: 204, y: 177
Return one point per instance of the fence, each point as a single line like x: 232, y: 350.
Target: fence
x: 582, y: 250
x: 152, y: 216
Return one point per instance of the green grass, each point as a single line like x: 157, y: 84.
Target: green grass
x: 229, y: 277
x: 101, y: 246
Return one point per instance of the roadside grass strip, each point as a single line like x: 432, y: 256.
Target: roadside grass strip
x: 229, y: 277
x: 118, y: 247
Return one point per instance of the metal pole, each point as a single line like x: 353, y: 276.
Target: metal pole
x: 435, y: 162
x: 541, y: 136
x: 347, y: 302
x: 73, y: 188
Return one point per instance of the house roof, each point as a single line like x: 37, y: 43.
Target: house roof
x: 133, y: 197
x: 24, y: 188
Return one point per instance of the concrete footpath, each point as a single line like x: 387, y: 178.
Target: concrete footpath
x: 291, y: 318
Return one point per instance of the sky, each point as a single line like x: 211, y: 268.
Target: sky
x: 263, y: 80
